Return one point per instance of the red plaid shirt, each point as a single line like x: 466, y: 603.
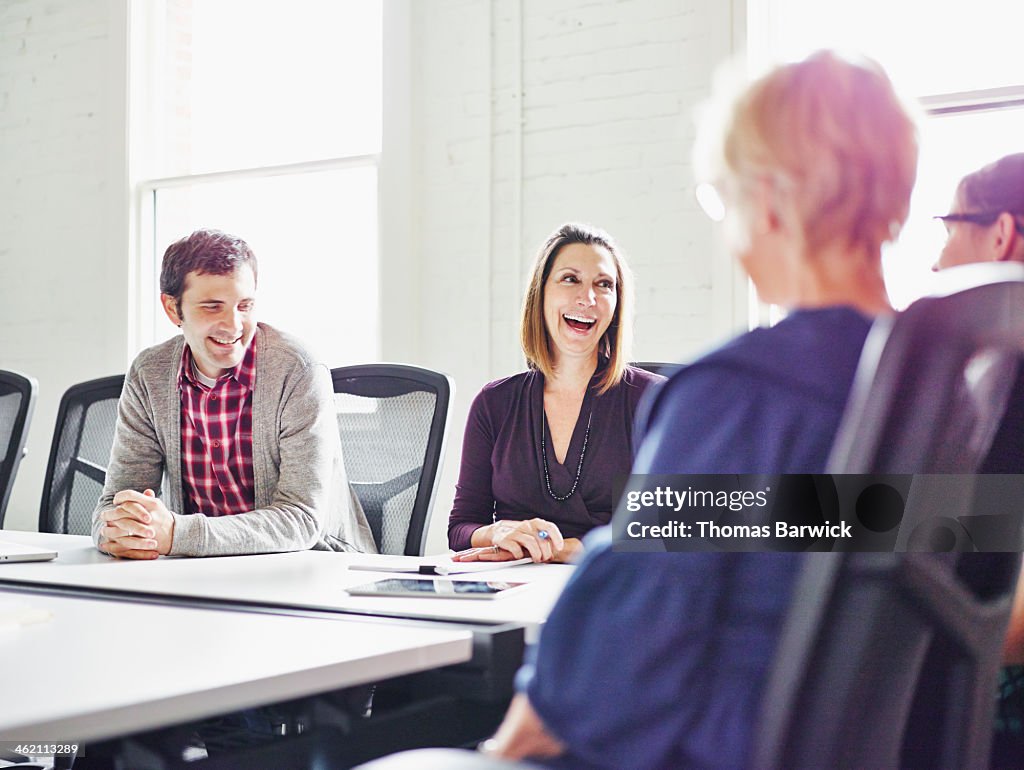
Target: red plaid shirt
x: 216, y: 438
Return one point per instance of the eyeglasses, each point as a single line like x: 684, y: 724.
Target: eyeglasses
x: 712, y: 197
x: 710, y: 201
x: 980, y: 218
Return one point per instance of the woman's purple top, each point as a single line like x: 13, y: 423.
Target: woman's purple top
x: 502, y: 473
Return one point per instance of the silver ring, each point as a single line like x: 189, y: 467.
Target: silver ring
x: 494, y: 549
x: 543, y: 534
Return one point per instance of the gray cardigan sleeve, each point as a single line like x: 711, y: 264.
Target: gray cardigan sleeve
x: 293, y: 519
x: 136, y: 458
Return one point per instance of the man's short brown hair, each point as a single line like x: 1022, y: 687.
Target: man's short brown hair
x: 205, y: 251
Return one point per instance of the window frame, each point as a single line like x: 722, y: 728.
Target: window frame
x: 761, y: 49
x: 146, y: 46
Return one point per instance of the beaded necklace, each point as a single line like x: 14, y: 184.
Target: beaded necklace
x: 544, y: 455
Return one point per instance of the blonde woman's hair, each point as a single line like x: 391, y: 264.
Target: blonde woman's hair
x: 834, y: 133
x: 615, y: 345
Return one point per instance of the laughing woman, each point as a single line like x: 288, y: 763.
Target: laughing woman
x: 542, y: 448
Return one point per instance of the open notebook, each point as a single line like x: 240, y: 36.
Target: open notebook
x: 441, y: 564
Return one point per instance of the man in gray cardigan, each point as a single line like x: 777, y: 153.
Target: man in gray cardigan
x: 235, y: 418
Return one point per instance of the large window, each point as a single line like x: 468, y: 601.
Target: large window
x: 959, y: 60
x: 264, y: 120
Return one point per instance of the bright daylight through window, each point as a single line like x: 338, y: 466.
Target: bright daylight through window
x: 267, y: 124
x: 960, y: 60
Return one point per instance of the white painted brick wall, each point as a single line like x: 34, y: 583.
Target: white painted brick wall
x: 590, y: 118
x: 524, y: 114
x: 62, y: 273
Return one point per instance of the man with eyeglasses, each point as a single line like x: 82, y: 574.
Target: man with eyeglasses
x: 985, y: 225
x: 986, y: 221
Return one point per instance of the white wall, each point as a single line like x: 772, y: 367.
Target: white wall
x: 503, y: 119
x: 528, y: 113
x: 63, y: 208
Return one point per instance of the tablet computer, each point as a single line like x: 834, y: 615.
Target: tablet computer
x: 438, y: 588
x: 17, y: 552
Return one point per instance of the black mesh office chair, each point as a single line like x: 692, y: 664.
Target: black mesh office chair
x: 891, y: 659
x: 393, y: 423
x: 79, y: 455
x: 17, y: 400
x: 663, y: 368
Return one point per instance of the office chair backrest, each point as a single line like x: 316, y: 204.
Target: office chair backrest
x: 891, y: 659
x: 934, y: 381
x: 17, y: 400
x: 393, y: 422
x: 79, y: 455
x: 663, y: 368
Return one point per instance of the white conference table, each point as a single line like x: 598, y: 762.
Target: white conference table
x: 303, y: 580
x: 95, y: 669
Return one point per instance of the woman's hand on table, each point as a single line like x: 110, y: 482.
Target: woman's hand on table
x: 537, y: 539
x: 571, y: 552
x: 483, y: 553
